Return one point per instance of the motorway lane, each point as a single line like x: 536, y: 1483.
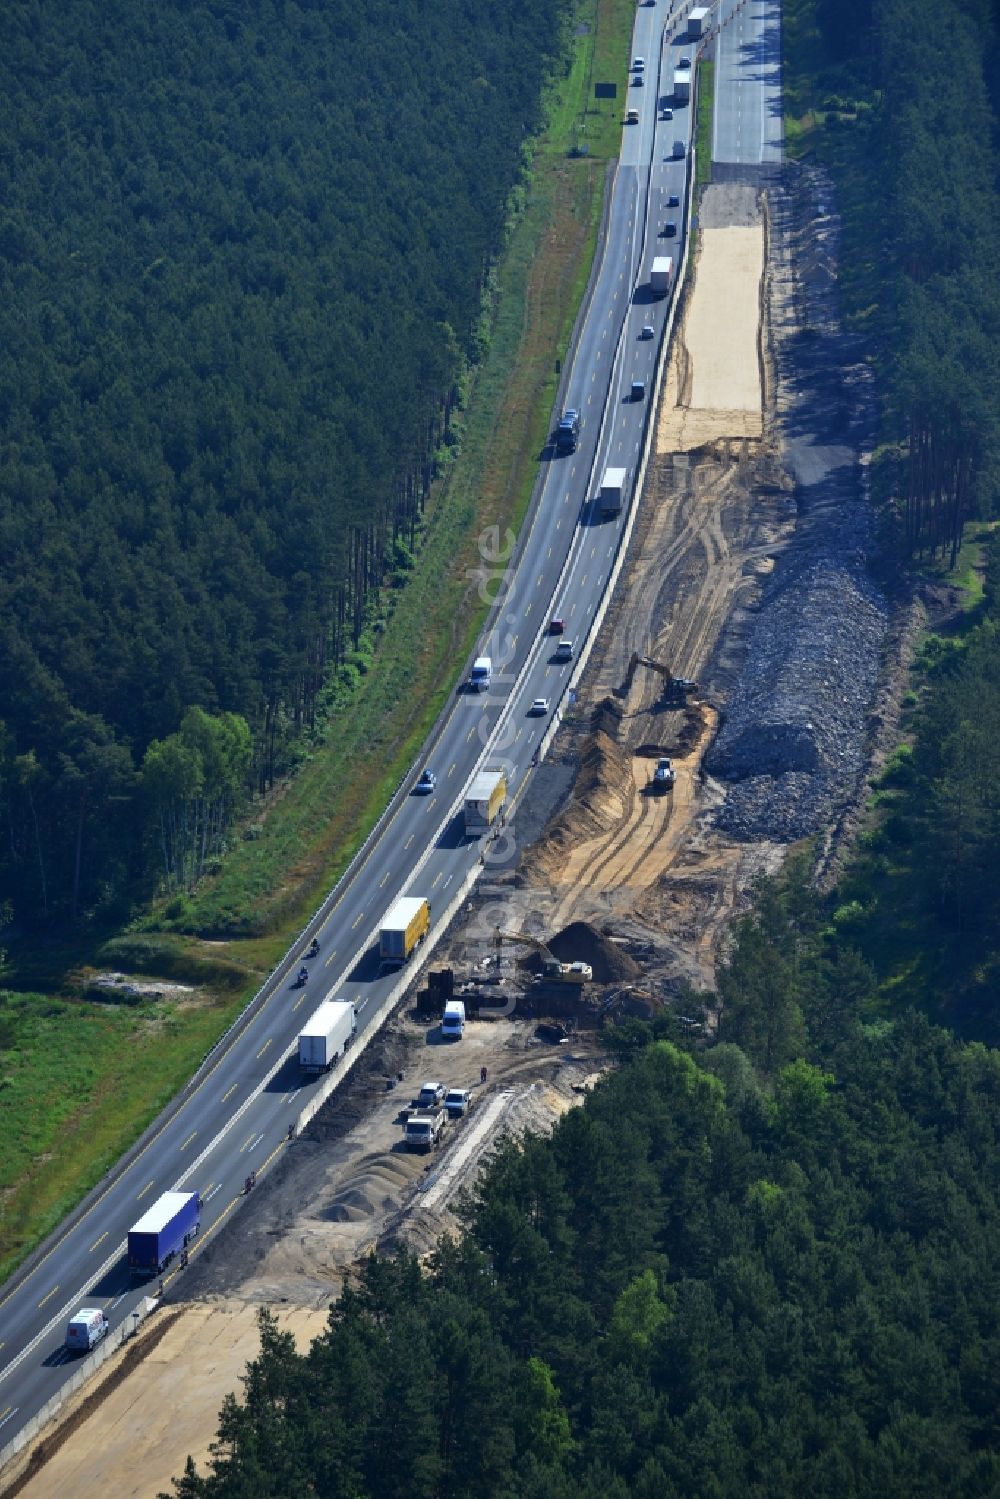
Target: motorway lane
x: 747, y: 121
x: 237, y: 1117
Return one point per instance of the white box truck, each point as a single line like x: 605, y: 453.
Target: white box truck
x: 661, y: 275
x: 453, y: 1020
x: 86, y: 1329
x: 697, y: 21
x: 423, y: 1131
x: 484, y: 801
x: 612, y: 495
x: 682, y: 89
x: 326, y: 1035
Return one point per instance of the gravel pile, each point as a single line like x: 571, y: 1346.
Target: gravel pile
x: 794, y: 733
x: 794, y: 729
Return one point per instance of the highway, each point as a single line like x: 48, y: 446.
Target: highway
x: 747, y: 115
x: 237, y: 1117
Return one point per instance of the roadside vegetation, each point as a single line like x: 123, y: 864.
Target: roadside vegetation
x: 768, y: 1268
x: 911, y: 146
x: 899, y: 101
x: 374, y: 711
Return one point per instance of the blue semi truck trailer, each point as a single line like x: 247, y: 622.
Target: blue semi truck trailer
x: 163, y: 1231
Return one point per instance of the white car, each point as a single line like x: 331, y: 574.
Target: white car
x: 539, y: 708
x: 638, y: 63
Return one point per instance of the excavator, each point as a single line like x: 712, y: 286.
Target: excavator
x: 674, y: 688
x: 552, y: 970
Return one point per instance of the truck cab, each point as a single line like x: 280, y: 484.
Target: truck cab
x: 481, y: 675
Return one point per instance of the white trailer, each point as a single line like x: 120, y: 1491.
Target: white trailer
x: 326, y: 1035
x: 613, y: 490
x: 661, y: 275
x: 697, y: 21
x: 682, y: 85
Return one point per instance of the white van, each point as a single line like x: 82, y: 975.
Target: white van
x: 453, y: 1019
x: 86, y: 1329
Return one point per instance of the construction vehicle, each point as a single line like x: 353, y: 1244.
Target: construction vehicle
x: 552, y: 970
x: 675, y: 688
x: 664, y: 775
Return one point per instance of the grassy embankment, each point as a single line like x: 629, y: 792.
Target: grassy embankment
x: 82, y: 1080
x: 831, y: 119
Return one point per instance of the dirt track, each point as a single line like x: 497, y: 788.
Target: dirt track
x: 716, y: 511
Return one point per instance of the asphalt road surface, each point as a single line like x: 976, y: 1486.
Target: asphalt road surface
x: 237, y: 1117
x: 747, y: 123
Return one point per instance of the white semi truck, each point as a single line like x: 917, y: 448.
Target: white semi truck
x: 326, y: 1035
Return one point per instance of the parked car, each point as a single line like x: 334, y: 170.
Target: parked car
x: 430, y: 1095
x: 458, y: 1102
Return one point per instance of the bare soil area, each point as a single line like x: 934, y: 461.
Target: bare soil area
x: 718, y: 510
x: 345, y: 1188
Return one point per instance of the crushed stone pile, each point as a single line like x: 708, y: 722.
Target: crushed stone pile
x: 794, y: 732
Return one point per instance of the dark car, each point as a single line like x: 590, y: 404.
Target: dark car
x: 673, y: 201
x: 670, y: 229
x: 426, y: 783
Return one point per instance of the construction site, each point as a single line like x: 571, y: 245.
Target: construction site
x: 726, y: 711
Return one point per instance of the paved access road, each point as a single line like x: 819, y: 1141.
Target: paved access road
x: 236, y: 1118
x: 747, y: 124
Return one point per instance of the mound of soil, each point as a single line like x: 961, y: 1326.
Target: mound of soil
x: 602, y: 795
x: 581, y: 943
x: 606, y: 718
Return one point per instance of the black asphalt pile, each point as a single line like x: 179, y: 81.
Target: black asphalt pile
x: 582, y: 943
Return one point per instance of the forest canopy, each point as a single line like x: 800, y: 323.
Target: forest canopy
x: 714, y: 1278
x: 242, y: 250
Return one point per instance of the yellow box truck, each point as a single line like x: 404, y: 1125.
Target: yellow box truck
x: 404, y: 927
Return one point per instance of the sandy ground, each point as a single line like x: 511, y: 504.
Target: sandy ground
x: 345, y: 1188
x: 122, y: 1450
x: 713, y: 388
